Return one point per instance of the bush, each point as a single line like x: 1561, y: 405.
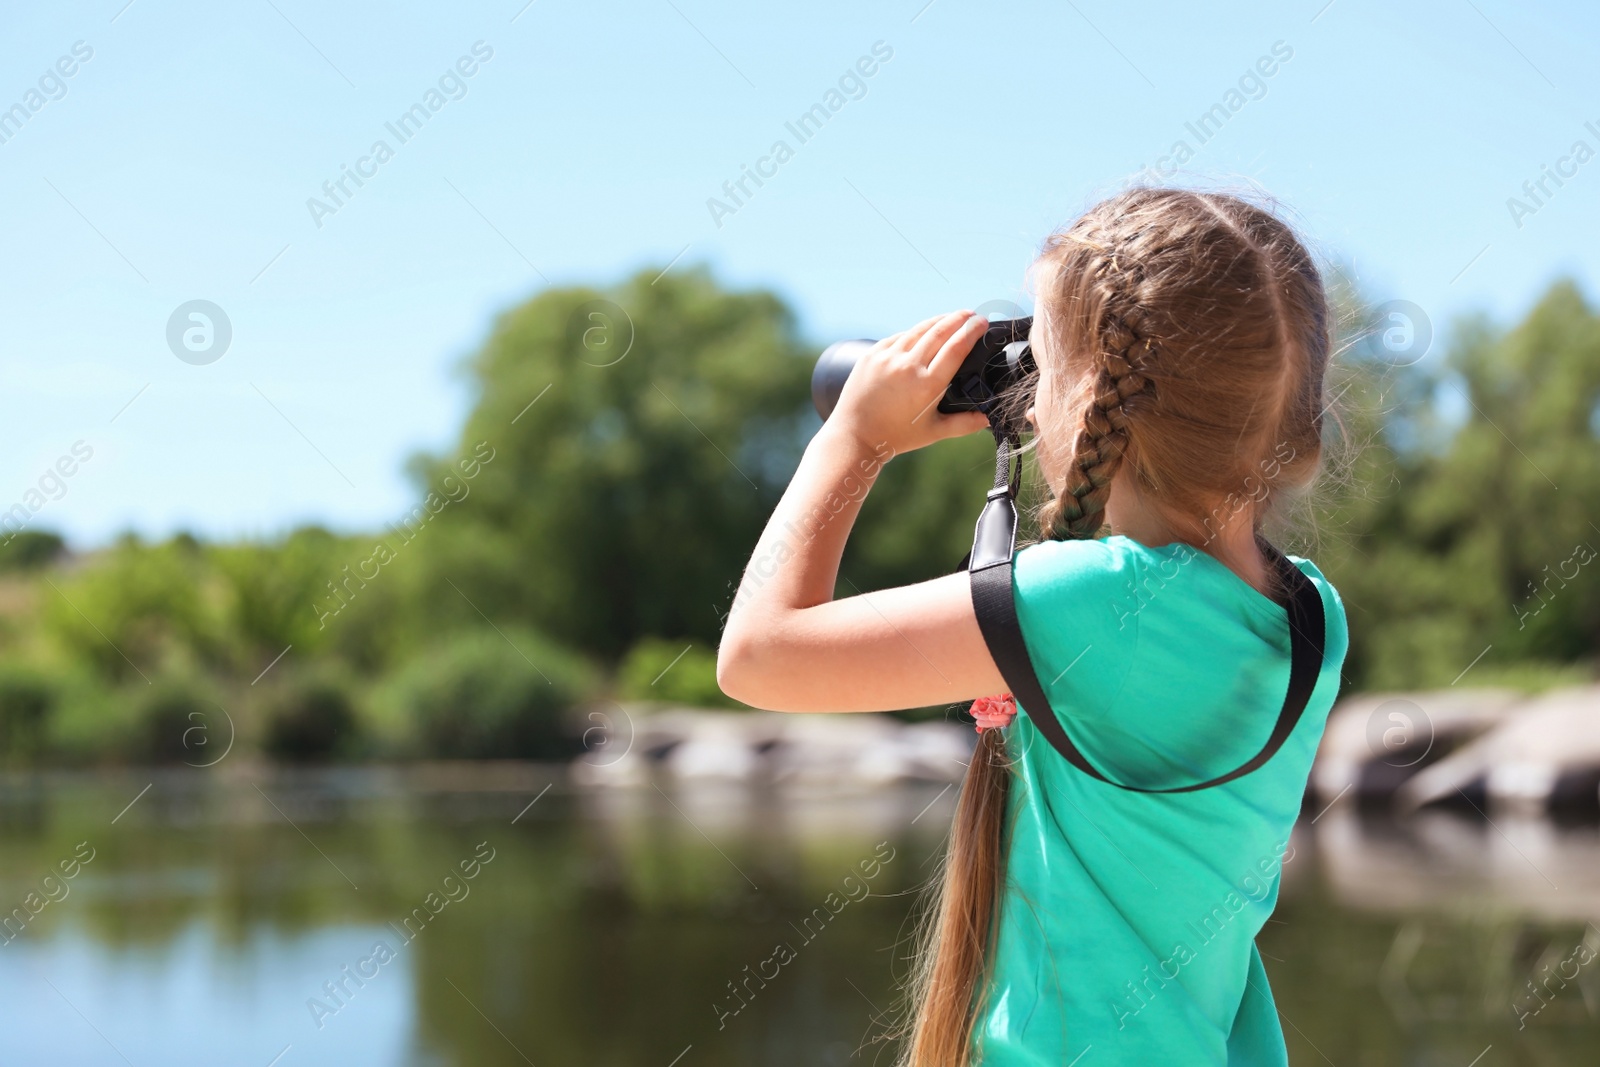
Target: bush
x: 664, y: 670
x: 179, y: 720
x: 488, y: 695
x: 311, y: 718
x: 29, y: 550
x: 26, y: 701
x: 132, y: 609
x: 271, y: 592
x: 90, y: 721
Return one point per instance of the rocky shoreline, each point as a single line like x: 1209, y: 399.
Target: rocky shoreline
x: 1490, y: 749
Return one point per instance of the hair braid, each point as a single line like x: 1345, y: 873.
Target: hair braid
x: 1103, y: 441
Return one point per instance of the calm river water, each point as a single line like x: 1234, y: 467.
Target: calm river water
x: 492, y: 915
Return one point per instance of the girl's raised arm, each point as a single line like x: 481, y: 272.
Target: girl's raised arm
x: 787, y: 645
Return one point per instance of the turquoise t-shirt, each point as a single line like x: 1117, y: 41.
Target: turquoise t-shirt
x: 1127, y: 922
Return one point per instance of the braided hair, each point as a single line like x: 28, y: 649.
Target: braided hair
x: 1119, y: 384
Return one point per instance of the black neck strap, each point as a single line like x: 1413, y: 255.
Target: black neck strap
x: 989, y: 568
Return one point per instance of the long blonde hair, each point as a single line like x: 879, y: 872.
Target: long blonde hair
x: 1196, y: 327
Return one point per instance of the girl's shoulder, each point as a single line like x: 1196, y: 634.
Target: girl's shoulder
x: 1045, y: 560
x: 1083, y: 589
x: 1105, y: 585
x: 1103, y: 571
x: 1113, y: 553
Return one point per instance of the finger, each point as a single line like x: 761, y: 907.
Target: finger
x: 888, y: 342
x: 961, y: 423
x: 941, y: 331
x: 912, y: 337
x: 948, y: 359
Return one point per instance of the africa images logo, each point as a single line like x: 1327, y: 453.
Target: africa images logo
x: 199, y: 332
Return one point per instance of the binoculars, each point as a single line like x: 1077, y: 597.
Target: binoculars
x: 1001, y: 359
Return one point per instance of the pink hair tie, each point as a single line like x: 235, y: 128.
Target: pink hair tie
x: 993, y: 713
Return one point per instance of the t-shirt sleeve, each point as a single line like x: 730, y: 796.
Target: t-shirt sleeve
x: 1078, y: 613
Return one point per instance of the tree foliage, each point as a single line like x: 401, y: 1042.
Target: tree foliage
x: 640, y: 441
x: 1474, y: 504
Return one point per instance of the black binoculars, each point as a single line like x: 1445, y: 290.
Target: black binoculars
x: 1001, y: 359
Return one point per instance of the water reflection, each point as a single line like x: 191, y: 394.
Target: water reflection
x: 1440, y: 939
x: 241, y: 919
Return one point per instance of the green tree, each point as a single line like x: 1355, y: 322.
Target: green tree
x: 134, y: 608
x: 272, y: 592
x: 30, y: 549
x: 1468, y: 526
x: 637, y: 442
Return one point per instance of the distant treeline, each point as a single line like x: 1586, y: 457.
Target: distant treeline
x: 583, y: 542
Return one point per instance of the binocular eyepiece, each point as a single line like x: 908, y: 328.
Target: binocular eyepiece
x: 1001, y: 359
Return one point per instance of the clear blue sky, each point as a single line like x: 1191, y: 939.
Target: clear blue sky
x: 177, y: 161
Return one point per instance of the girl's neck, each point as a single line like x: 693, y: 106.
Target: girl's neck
x: 1233, y: 545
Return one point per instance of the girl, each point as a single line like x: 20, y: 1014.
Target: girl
x: 1182, y: 340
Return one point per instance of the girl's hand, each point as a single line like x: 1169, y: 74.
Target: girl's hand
x: 892, y: 394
